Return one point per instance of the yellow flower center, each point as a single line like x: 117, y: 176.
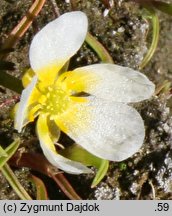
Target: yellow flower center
x: 54, y: 100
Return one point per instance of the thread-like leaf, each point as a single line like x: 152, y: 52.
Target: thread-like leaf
x: 98, y: 48
x: 6, y: 154
x: 155, y: 37
x: 41, y: 192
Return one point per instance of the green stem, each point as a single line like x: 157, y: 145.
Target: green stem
x: 155, y: 38
x: 98, y: 48
x: 15, y: 184
x: 10, y: 82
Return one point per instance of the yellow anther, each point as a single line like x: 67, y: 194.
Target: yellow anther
x: 50, y: 88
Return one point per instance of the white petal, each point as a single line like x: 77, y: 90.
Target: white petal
x: 48, y: 148
x: 58, y: 41
x: 109, y: 130
x: 21, y: 115
x: 114, y: 82
x: 63, y: 163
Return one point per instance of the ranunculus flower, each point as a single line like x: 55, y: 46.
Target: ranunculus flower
x: 101, y: 121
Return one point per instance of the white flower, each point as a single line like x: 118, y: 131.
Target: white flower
x: 101, y: 123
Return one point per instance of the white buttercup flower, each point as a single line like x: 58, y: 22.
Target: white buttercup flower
x: 100, y: 121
